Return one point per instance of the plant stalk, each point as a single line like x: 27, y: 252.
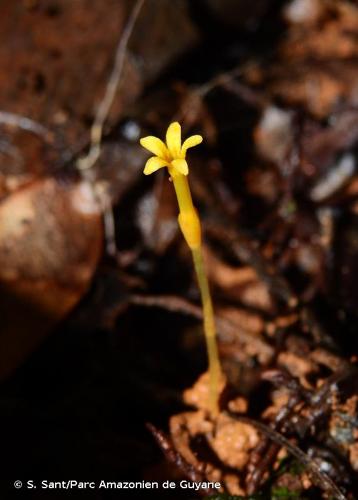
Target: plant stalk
x: 191, y: 228
x: 209, y: 330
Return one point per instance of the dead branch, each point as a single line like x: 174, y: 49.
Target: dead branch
x: 112, y: 85
x: 175, y: 458
x: 320, y: 478
x: 19, y: 121
x: 228, y: 331
x: 243, y: 249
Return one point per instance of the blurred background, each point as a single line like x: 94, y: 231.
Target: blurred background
x: 99, y: 328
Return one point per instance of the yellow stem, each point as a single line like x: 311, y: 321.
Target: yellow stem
x: 191, y: 228
x: 209, y: 329
x: 182, y: 190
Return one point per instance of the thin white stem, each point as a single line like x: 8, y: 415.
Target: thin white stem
x: 111, y: 89
x: 15, y: 120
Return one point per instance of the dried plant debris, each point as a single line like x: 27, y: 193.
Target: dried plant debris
x: 247, y: 456
x: 315, y: 66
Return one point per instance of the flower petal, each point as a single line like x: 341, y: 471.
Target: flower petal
x: 173, y: 139
x: 154, y: 145
x: 190, y: 142
x: 181, y: 166
x: 154, y: 163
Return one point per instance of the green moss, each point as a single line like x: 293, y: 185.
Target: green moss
x: 282, y: 493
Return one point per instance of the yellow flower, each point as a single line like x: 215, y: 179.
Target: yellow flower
x: 172, y: 154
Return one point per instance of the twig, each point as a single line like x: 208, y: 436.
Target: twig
x: 322, y: 479
x: 15, y: 120
x: 101, y: 192
x: 251, y: 97
x: 222, y: 79
x: 226, y: 328
x: 243, y: 249
x: 266, y: 452
x: 105, y: 105
x: 85, y: 163
x: 175, y: 458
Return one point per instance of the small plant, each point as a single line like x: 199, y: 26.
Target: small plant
x: 172, y: 155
